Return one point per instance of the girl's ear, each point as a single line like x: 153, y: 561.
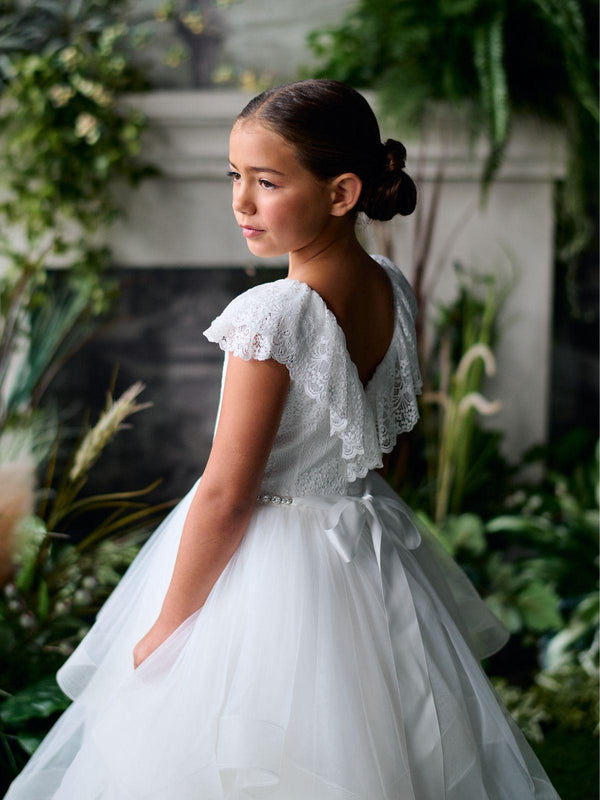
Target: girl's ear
x: 345, y: 191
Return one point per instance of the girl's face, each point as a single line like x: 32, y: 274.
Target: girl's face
x: 279, y: 205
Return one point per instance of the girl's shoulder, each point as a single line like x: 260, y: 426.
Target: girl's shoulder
x: 262, y: 304
x: 264, y: 319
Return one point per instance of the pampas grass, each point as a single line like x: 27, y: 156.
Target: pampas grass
x: 17, y: 498
x: 111, y: 421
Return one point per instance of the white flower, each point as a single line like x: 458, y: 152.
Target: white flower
x: 86, y: 125
x: 100, y: 95
x: 60, y: 94
x: 479, y: 403
x: 27, y: 620
x: 194, y: 21
x: 88, y: 88
x: 82, y: 597
x: 478, y: 350
x: 68, y: 56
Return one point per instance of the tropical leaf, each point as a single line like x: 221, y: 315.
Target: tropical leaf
x: 39, y: 700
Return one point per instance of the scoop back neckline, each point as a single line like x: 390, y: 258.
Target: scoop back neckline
x: 332, y: 317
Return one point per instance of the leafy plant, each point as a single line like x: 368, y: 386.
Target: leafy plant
x: 64, y: 145
x: 465, y: 333
x: 63, y: 573
x: 536, y: 562
x: 30, y: 27
x: 498, y: 58
x: 24, y: 716
x: 566, y: 698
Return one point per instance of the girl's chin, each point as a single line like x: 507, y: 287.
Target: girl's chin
x: 263, y: 249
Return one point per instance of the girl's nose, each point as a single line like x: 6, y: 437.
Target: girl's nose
x: 242, y: 199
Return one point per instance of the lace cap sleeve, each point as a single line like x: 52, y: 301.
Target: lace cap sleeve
x: 254, y: 325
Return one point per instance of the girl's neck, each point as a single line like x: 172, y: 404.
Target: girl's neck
x: 336, y: 258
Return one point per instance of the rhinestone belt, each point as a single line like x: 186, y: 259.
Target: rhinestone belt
x: 276, y: 499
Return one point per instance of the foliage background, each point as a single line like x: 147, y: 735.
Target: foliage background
x: 529, y: 548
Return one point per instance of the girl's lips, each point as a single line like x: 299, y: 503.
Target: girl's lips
x: 250, y: 233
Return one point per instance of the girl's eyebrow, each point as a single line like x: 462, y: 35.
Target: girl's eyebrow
x: 260, y: 169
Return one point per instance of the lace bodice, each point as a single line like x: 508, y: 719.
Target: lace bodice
x: 333, y: 430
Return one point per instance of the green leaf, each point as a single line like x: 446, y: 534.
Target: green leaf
x: 465, y: 531
x: 455, y: 8
x: 40, y: 700
x: 43, y: 600
x: 538, y: 604
x: 29, y: 741
x: 26, y: 575
x: 506, y: 612
x: 519, y: 524
x: 488, y: 55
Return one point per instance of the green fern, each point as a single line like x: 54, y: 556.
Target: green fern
x: 491, y: 59
x: 488, y: 58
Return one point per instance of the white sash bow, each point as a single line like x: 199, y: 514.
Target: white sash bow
x: 345, y: 521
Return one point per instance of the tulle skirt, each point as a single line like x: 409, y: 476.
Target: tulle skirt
x: 335, y: 658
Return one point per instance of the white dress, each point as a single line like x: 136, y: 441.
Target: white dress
x: 337, y: 656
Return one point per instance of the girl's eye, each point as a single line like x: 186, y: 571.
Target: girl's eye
x: 235, y: 177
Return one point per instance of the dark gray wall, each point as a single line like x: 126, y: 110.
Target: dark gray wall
x: 155, y: 336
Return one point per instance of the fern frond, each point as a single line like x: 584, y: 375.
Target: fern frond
x: 488, y: 53
x: 566, y: 18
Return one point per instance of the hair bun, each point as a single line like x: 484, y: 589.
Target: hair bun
x: 394, y: 154
x: 390, y: 191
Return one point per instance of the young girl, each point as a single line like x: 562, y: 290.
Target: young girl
x: 288, y: 632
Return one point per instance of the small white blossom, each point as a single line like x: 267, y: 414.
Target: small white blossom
x: 86, y: 125
x: 83, y: 85
x: 82, y: 597
x: 60, y: 94
x: 68, y: 56
x: 100, y: 95
x: 194, y: 21
x: 27, y: 620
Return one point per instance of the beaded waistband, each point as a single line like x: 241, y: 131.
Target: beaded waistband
x: 276, y: 499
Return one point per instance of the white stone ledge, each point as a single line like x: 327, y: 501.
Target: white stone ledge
x: 188, y: 136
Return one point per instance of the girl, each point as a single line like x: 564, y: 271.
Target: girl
x: 288, y: 632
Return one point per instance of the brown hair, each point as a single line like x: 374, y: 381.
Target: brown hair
x: 334, y: 130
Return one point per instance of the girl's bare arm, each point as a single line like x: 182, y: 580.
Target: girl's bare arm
x: 253, y: 400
